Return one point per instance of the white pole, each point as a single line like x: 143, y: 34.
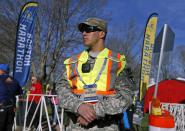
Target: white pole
x: 56, y: 110
x: 160, y: 59
x: 25, y: 114
x: 40, y: 117
x: 62, y: 119
x: 15, y: 122
x: 49, y: 125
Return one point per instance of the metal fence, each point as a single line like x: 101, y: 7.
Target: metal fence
x: 42, y: 107
x: 178, y: 111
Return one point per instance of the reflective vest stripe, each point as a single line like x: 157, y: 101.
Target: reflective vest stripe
x: 119, y: 64
x: 72, y: 77
x: 106, y: 92
x: 109, y: 72
x: 77, y: 91
x: 69, y: 71
x: 74, y: 81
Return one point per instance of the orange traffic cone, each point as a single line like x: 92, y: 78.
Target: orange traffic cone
x: 160, y: 120
x: 156, y: 107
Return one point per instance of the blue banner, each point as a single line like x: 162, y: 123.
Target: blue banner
x: 24, y: 42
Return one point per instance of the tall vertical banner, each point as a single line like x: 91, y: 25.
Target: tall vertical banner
x: 146, y: 60
x: 24, y: 42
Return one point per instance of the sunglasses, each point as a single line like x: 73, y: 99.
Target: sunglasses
x: 89, y: 29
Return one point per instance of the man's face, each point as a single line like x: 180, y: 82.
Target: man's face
x: 91, y: 35
x: 33, y: 80
x: 91, y: 38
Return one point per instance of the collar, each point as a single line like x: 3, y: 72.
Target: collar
x: 103, y: 54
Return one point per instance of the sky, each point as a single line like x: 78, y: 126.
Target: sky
x: 170, y: 12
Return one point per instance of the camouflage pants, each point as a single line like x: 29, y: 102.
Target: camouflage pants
x: 108, y: 123
x: 77, y: 127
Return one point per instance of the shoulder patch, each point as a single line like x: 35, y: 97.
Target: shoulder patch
x: 71, y: 60
x: 115, y: 58
x: 122, y: 58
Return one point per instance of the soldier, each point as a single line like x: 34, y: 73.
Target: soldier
x: 93, y: 90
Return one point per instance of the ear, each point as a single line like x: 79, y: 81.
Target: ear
x: 101, y: 34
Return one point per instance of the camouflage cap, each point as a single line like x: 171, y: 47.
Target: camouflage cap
x: 99, y: 23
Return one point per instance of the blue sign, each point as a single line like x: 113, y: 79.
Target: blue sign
x: 24, y: 42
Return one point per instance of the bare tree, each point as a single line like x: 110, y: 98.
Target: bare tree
x: 128, y: 45
x: 182, y: 58
x: 56, y: 31
x: 7, y: 31
x: 172, y: 64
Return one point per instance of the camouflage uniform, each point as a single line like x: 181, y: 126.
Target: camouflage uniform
x: 107, y: 110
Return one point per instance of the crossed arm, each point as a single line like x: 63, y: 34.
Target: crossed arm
x: 111, y: 106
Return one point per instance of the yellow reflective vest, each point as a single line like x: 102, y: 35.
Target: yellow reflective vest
x: 112, y: 62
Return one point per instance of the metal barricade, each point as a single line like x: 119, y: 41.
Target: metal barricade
x: 178, y: 111
x: 43, y: 109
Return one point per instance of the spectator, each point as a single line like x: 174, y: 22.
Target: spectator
x: 9, y: 88
x: 36, y: 88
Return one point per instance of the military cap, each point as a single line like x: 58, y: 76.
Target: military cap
x: 99, y: 23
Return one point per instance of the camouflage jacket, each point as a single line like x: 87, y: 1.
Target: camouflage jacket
x: 106, y: 109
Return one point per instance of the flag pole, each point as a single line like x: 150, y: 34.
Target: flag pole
x: 160, y: 59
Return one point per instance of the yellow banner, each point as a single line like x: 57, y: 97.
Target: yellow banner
x: 148, y: 45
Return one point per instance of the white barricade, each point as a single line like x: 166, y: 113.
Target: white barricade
x: 43, y: 109
x: 178, y: 111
